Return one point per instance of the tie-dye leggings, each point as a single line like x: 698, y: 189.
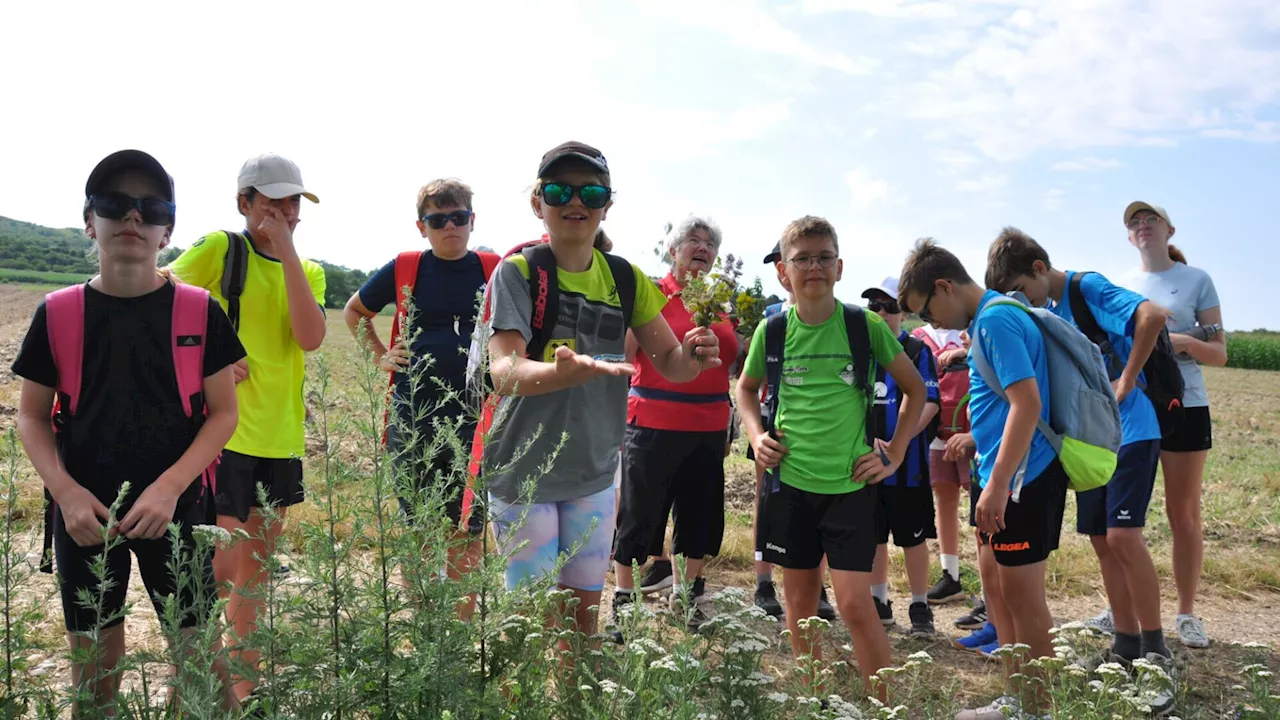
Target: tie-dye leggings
x: 551, y: 529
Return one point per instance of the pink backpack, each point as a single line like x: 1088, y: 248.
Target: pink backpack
x: 64, y: 318
x: 953, y: 389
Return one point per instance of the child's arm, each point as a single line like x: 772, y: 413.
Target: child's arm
x: 515, y: 374
x: 82, y: 513
x: 768, y: 451
x: 633, y: 347
x: 871, y: 468
x: 1015, y: 442
x: 676, y: 360
x: 1148, y: 321
x: 151, y: 514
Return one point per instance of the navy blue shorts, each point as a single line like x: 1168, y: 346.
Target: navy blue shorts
x: 1121, y: 503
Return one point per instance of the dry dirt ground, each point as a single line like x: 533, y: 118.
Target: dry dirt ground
x: 1240, y: 599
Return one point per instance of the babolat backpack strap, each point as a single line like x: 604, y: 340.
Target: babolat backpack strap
x: 855, y: 325
x: 544, y: 289
x: 234, y: 270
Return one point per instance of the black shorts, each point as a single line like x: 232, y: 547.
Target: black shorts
x: 196, y: 593
x: 907, y: 512
x: 436, y: 482
x: 799, y: 527
x: 1121, y: 503
x: 664, y: 470
x: 240, y: 475
x: 1033, y: 525
x: 1193, y: 434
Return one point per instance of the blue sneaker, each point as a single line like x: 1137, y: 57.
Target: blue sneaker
x: 976, y: 639
x: 986, y: 650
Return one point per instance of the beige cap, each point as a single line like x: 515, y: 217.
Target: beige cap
x: 1137, y: 205
x: 273, y: 176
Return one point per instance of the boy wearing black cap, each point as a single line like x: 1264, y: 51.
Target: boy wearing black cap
x: 107, y: 352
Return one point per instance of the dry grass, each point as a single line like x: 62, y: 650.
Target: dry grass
x: 1241, y: 589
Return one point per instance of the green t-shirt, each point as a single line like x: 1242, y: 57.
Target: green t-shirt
x: 821, y: 411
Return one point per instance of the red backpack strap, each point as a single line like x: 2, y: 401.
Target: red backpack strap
x: 64, y: 319
x: 406, y: 277
x: 190, y: 330
x: 489, y: 261
x: 923, y: 335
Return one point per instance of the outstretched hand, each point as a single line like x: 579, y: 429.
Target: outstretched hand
x: 581, y: 368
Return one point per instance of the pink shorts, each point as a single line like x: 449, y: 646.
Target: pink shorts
x: 953, y: 472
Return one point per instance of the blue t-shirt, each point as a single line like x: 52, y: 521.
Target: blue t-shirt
x: 445, y: 302
x: 914, y: 470
x: 1113, y: 308
x: 1013, y: 346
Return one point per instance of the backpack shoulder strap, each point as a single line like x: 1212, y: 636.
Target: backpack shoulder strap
x: 624, y: 281
x: 235, y: 269
x: 489, y: 261
x: 923, y: 336
x: 775, y: 342
x: 406, y: 272
x: 64, y: 320
x: 855, y: 325
x: 1084, y: 318
x: 190, y: 332
x: 544, y: 289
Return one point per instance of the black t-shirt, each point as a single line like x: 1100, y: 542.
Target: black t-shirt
x: 129, y: 422
x: 445, y: 301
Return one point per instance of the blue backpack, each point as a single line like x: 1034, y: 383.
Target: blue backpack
x: 1084, y: 418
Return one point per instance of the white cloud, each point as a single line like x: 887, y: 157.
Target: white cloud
x: 989, y: 182
x: 753, y: 27
x: 1054, y: 198
x: 956, y: 158
x: 865, y: 191
x: 1088, y: 163
x: 883, y: 8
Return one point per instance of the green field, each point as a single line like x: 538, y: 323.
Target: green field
x: 41, y: 277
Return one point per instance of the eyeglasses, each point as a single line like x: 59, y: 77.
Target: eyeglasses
x: 435, y: 221
x: 804, y: 262
x: 1137, y: 222
x: 889, y: 307
x: 115, y: 205
x: 592, y: 196
x: 923, y: 312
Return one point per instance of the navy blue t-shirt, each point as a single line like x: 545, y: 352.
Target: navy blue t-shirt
x: 914, y: 470
x: 445, y: 302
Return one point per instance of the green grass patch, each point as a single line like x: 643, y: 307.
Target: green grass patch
x: 1253, y: 351
x: 41, y: 277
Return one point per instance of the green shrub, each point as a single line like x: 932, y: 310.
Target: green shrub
x: 1253, y: 351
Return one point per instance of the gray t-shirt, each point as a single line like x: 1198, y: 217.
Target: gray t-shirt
x: 592, y: 415
x: 1184, y: 291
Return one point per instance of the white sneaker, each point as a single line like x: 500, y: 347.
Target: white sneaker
x: 1191, y: 632
x: 994, y: 711
x: 1102, y: 622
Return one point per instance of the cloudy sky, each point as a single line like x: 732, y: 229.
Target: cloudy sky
x: 893, y: 118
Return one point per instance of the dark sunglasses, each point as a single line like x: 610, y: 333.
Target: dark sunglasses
x: 435, y: 221
x: 115, y: 205
x: 884, y: 306
x: 559, y: 194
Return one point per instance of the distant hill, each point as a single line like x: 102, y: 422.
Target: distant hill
x: 53, y: 255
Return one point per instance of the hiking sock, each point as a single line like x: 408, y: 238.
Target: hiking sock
x: 951, y: 566
x: 763, y: 579
x: 1127, y: 646
x: 1153, y: 642
x: 921, y: 598
x: 881, y: 592
x: 627, y: 588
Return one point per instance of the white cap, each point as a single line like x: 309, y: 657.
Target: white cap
x: 273, y: 176
x: 1136, y: 206
x: 888, y: 286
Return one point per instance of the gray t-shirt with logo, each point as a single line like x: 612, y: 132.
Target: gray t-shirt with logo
x: 1184, y: 291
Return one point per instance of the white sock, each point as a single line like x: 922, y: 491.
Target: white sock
x: 924, y: 598
x: 625, y: 587
x: 951, y: 566
x: 881, y: 592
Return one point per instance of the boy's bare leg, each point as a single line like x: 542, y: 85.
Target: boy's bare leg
x: 801, y: 588
x: 917, y: 568
x: 242, y: 567
x: 98, y: 678
x: 870, y: 643
x: 1023, y: 591
x: 997, y: 610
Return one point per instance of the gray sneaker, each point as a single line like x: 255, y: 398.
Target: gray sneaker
x: 1163, y: 696
x: 1191, y: 632
x: 1102, y: 622
x: 994, y: 711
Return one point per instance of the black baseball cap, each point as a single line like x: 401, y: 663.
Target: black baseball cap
x: 573, y: 149
x: 129, y: 160
x: 775, y: 254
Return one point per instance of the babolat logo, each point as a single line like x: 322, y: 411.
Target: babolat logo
x: 188, y: 341
x: 540, y: 304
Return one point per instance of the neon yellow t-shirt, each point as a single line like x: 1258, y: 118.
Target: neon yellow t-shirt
x: 271, y: 407
x: 821, y: 411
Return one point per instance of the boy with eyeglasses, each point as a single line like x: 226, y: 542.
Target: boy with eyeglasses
x: 906, y: 499
x: 428, y: 359
x: 113, y: 354
x: 821, y: 495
